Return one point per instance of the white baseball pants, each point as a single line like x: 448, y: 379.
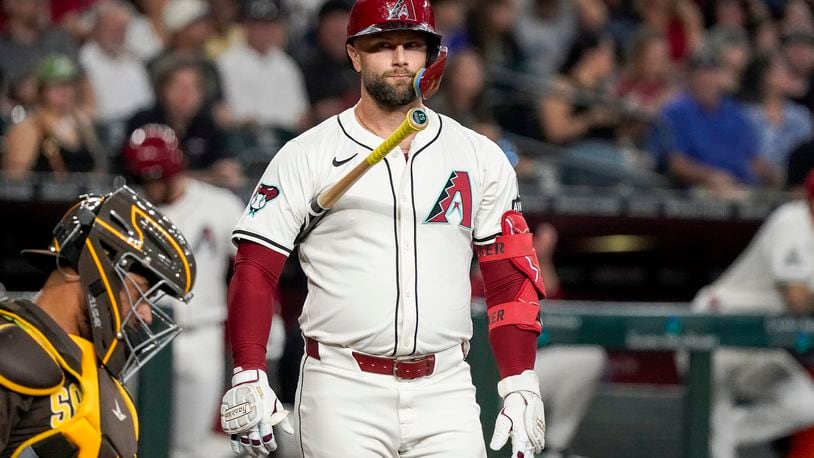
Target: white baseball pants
x: 780, y: 396
x: 568, y: 378
x: 198, y: 373
x: 344, y: 412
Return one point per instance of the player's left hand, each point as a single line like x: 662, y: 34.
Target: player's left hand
x: 522, y: 417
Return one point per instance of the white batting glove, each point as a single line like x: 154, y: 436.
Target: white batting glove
x: 522, y: 417
x: 249, y: 411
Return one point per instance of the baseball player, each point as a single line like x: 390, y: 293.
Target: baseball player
x: 569, y: 374
x: 205, y: 214
x: 775, y: 274
x: 65, y: 355
x: 387, y: 317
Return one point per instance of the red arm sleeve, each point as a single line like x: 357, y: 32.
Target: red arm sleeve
x: 515, y: 349
x: 251, y: 299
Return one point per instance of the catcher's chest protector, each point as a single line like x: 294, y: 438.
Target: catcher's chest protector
x: 72, y: 406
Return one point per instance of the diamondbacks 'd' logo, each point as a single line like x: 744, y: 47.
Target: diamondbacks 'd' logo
x: 264, y: 194
x: 455, y: 202
x: 403, y: 10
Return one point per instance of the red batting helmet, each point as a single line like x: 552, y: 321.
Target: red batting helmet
x: 153, y: 153
x: 375, y: 16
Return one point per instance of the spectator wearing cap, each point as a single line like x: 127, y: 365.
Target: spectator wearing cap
x: 331, y: 82
x: 263, y: 85
x: 58, y: 137
x: 26, y: 40
x: 781, y: 124
x: 180, y: 104
x: 146, y: 35
x: 189, y: 27
x: 714, y: 144
x: 118, y: 78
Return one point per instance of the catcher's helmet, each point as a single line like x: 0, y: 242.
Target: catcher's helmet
x: 376, y: 16
x: 104, y: 238
x: 152, y: 153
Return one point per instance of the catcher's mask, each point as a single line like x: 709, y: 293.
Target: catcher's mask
x: 106, y: 239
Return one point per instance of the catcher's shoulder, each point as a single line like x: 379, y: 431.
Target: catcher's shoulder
x: 26, y: 362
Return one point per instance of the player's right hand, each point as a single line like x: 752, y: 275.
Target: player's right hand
x: 249, y: 411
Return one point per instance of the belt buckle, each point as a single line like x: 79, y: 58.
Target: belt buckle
x: 398, y: 361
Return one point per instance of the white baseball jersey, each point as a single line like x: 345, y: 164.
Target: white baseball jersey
x: 388, y: 266
x: 781, y: 252
x: 206, y: 214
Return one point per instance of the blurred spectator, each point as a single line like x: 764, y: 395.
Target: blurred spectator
x: 727, y: 14
x: 74, y: 16
x: 781, y: 124
x: 461, y: 97
x: 766, y: 37
x: 118, y: 78
x: 797, y: 16
x: 490, y: 26
x: 225, y: 29
x: 180, y: 104
x: 248, y: 68
x: 331, y: 82
x: 568, y: 112
x: 188, y: 27
x: 154, y: 159
x: 732, y: 45
x: 146, y: 34
x: 450, y: 23
x: 57, y: 137
x: 704, y: 152
x: 679, y: 20
x: 762, y: 395
x: 647, y: 81
x: 545, y: 31
x: 27, y: 39
x: 798, y: 49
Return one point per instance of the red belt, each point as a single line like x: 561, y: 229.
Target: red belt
x: 406, y: 369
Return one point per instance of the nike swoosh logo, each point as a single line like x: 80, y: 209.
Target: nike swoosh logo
x: 343, y: 162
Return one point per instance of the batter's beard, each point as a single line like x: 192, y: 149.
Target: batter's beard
x: 386, y: 95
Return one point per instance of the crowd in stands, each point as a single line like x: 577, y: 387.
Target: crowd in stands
x: 705, y: 94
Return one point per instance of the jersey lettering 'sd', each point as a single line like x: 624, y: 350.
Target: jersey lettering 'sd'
x: 263, y: 195
x: 454, y: 203
x: 64, y: 404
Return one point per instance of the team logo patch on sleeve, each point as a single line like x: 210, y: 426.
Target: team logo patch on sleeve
x: 263, y: 195
x: 454, y: 205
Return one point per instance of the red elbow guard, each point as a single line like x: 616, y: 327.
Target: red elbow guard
x: 512, y: 277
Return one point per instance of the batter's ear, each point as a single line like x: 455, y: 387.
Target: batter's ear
x: 353, y: 55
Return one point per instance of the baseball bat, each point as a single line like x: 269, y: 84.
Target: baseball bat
x: 415, y: 121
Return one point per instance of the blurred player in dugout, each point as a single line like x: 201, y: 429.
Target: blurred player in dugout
x: 65, y: 355
x: 761, y: 395
x: 205, y: 214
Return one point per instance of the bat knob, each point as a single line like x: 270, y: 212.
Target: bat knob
x: 417, y: 118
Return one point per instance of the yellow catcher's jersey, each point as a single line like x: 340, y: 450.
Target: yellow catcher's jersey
x: 55, y: 399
